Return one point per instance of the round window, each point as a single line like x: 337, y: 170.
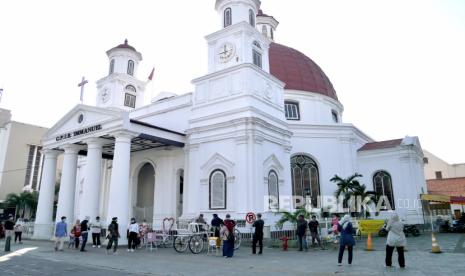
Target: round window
x: 81, y: 118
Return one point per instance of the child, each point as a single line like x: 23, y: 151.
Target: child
x: 71, y: 240
x: 76, y: 231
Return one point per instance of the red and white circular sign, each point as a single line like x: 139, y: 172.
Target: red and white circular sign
x: 250, y: 217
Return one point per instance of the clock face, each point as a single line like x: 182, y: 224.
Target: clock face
x: 226, y: 52
x: 105, y: 96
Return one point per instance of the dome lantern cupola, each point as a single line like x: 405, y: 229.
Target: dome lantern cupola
x: 234, y: 11
x: 266, y: 24
x: 124, y: 59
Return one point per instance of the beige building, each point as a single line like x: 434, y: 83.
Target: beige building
x: 436, y: 168
x: 445, y: 179
x: 20, y: 155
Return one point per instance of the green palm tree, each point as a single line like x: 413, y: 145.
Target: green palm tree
x: 366, y: 197
x: 22, y: 201
x: 292, y: 217
x: 345, y: 187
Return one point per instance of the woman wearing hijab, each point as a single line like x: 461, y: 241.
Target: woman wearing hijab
x: 347, y: 240
x: 227, y: 233
x: 395, y: 239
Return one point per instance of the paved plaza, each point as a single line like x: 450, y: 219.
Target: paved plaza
x: 41, y: 259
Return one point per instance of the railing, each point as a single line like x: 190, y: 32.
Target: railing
x: 283, y: 233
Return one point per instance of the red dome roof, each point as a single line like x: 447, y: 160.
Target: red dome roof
x: 298, y: 71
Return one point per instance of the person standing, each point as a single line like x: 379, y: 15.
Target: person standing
x: 19, y: 230
x: 132, y: 233
x: 347, y: 239
x: 314, y: 226
x: 301, y: 232
x: 96, y: 229
x: 76, y: 232
x: 258, y: 235
x: 228, y: 236
x: 61, y: 233
x: 9, y: 226
x: 395, y: 239
x: 84, y: 233
x: 2, y: 231
x: 216, y: 224
x: 113, y: 235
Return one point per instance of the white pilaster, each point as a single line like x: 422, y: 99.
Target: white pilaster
x: 92, y: 179
x: 44, y: 222
x: 68, y: 183
x: 118, y: 202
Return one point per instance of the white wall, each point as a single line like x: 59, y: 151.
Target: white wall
x: 314, y: 108
x: 408, y: 182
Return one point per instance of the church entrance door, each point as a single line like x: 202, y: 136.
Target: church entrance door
x: 145, y: 193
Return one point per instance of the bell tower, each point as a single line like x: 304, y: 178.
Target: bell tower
x: 237, y: 124
x: 121, y: 89
x: 237, y: 42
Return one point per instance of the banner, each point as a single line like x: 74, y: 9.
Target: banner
x: 370, y: 226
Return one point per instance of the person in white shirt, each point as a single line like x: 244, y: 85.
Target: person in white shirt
x: 96, y: 229
x: 395, y: 239
x: 19, y: 230
x: 132, y: 234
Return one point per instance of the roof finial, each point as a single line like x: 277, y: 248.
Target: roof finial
x: 126, y: 41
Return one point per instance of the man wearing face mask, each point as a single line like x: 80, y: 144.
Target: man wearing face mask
x: 133, y: 231
x: 61, y: 233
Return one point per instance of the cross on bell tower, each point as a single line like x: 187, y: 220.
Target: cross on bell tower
x: 82, y: 84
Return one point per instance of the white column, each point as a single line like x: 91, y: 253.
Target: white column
x: 68, y: 183
x: 118, y: 201
x: 92, y: 179
x: 44, y: 222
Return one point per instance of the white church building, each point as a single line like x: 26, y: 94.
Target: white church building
x: 264, y: 120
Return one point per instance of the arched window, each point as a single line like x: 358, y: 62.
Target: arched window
x: 273, y: 190
x: 227, y: 17
x: 131, y: 67
x: 305, y: 178
x: 335, y: 116
x: 264, y: 31
x: 382, y: 183
x: 112, y: 66
x: 130, y: 88
x: 217, y: 198
x: 252, y: 18
x: 130, y: 96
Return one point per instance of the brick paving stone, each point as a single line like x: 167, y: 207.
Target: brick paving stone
x: 165, y: 261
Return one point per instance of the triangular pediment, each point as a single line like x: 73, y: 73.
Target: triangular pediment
x: 273, y: 161
x: 218, y: 161
x: 90, y: 116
